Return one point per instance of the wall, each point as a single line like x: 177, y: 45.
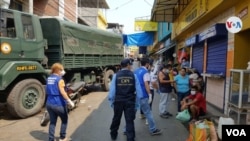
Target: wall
x: 101, y: 21
x: 89, y: 15
x: 46, y: 7
x: 242, y: 11
x: 70, y: 10
x: 51, y: 8
x: 164, y: 29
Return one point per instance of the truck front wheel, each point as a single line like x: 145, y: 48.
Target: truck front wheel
x: 26, y: 98
x: 107, y: 79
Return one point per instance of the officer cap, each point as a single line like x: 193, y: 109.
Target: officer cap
x: 126, y: 62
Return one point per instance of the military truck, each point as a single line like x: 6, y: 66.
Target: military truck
x: 29, y: 45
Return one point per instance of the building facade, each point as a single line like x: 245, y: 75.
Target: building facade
x: 200, y: 30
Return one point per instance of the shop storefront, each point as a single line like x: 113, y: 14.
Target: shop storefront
x: 196, y: 53
x: 216, y: 51
x: 215, y: 41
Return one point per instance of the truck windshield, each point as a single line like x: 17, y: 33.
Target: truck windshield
x: 7, y: 24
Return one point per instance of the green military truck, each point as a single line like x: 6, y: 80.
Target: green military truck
x: 29, y: 45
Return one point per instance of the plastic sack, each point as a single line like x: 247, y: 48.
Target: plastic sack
x: 224, y: 121
x: 183, y: 116
x: 200, y: 131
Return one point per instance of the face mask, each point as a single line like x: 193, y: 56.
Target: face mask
x: 62, y: 73
x: 166, y: 71
x: 193, y: 92
x: 152, y: 69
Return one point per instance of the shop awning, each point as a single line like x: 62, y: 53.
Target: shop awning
x: 164, y: 10
x: 162, y: 50
x: 93, y: 4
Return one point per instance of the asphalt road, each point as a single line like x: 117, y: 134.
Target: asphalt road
x: 90, y: 122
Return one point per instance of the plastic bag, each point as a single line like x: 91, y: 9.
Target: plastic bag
x: 183, y: 116
x: 199, y: 131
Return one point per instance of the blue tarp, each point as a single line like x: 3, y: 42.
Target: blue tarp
x: 139, y: 39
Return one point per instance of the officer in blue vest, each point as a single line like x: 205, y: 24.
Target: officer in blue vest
x: 144, y: 79
x: 124, y: 95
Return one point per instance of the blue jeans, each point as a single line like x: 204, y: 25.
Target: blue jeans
x: 145, y: 107
x: 150, y: 104
x: 180, y: 98
x: 54, y: 112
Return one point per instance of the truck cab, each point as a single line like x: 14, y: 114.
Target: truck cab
x: 22, y: 75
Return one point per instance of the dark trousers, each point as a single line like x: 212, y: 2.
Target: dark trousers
x: 54, y: 113
x: 128, y: 107
x: 150, y: 104
x: 180, y: 98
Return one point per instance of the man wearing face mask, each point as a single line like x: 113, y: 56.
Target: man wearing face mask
x: 195, y: 103
x: 144, y: 79
x: 165, y: 90
x: 57, y: 100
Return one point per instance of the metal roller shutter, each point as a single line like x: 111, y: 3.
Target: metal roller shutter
x: 216, y: 57
x: 197, y: 58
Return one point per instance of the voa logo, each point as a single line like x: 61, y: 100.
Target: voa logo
x: 234, y: 24
x: 236, y: 132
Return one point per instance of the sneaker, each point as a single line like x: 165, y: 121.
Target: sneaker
x: 168, y: 114
x: 163, y: 115
x: 142, y: 116
x: 65, y: 139
x: 156, y: 132
x: 146, y: 122
x: 113, y: 137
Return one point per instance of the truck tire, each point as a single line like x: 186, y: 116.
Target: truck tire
x: 107, y: 79
x: 26, y: 98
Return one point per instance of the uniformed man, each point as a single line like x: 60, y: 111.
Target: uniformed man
x: 124, y: 95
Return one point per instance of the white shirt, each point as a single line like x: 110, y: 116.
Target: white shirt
x: 153, y: 78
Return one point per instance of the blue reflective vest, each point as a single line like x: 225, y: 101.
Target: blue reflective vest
x: 140, y: 72
x: 52, y: 90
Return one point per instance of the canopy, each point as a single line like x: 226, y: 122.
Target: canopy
x: 139, y: 39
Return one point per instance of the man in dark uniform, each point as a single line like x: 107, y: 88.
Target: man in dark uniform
x: 124, y: 95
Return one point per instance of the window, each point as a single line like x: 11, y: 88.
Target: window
x: 28, y: 30
x: 7, y: 24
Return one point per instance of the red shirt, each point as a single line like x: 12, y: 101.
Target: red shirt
x: 201, y: 101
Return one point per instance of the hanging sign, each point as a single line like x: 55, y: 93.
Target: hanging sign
x: 234, y: 24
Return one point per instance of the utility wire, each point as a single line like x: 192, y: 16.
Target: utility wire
x: 122, y: 5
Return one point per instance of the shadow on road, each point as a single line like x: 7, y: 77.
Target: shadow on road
x: 96, y: 126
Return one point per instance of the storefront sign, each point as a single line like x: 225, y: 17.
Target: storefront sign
x: 210, y: 32
x: 145, y: 25
x: 216, y: 30
x: 190, y: 41
x: 243, y: 13
x: 234, y: 24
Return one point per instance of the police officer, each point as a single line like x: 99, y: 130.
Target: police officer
x: 124, y: 95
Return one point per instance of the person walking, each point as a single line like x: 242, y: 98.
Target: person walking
x: 57, y: 100
x: 144, y: 79
x: 165, y: 90
x: 124, y: 95
x: 182, y: 85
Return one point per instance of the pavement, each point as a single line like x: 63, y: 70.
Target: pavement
x: 96, y: 125
x: 91, y: 120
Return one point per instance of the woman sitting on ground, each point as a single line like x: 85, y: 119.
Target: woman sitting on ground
x: 195, y: 103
